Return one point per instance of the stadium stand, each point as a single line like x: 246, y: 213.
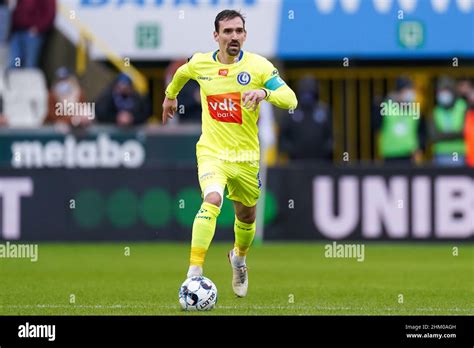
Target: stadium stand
x: 25, y: 98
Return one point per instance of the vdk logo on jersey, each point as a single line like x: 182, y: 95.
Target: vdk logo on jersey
x: 243, y: 78
x: 225, y: 107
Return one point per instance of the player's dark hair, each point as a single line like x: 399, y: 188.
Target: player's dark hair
x: 227, y: 14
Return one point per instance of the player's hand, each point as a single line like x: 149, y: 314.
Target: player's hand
x: 253, y: 98
x: 169, y: 108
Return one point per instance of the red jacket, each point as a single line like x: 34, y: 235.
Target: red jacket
x: 34, y: 13
x: 469, y: 136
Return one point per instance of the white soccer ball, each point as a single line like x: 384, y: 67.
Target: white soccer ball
x: 198, y: 294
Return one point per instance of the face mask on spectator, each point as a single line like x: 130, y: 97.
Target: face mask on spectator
x: 63, y: 88
x: 445, y: 98
x: 409, y: 96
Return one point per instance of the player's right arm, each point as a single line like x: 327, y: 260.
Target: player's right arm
x: 170, y: 104
x: 169, y: 108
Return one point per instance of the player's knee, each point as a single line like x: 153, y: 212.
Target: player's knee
x: 213, y: 198
x: 247, y: 216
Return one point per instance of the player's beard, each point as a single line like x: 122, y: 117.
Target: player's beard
x: 233, y: 50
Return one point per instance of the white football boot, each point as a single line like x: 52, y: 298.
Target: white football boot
x: 240, y: 278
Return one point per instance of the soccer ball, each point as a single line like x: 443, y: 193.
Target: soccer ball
x: 198, y: 294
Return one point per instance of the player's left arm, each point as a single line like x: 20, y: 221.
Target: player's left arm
x: 274, y: 90
x: 281, y: 95
x: 277, y: 91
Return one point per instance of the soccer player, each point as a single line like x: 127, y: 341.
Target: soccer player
x: 233, y: 82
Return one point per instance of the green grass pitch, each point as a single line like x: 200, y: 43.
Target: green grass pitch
x: 284, y: 279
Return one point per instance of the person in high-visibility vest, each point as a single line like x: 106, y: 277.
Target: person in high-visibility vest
x: 447, y: 129
x: 401, y: 125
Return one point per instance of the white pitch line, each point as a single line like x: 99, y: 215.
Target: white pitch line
x: 362, y: 309
x: 84, y: 306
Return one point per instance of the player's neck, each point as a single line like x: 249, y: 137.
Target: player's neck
x: 224, y: 58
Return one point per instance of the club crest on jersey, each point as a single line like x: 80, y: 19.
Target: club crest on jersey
x: 243, y: 78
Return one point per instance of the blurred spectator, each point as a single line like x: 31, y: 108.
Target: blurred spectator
x: 463, y: 87
x: 4, y: 20
x: 447, y: 129
x: 469, y: 128
x: 5, y: 15
x: 31, y: 20
x: 66, y: 91
x: 401, y: 126
x: 307, y: 133
x: 121, y: 104
x: 189, y: 99
x: 3, y: 118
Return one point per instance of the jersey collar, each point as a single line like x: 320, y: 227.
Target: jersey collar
x: 214, y: 56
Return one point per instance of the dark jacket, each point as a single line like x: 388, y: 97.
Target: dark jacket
x: 107, y: 108
x: 307, y: 134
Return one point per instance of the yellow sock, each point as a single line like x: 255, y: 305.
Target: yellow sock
x: 204, y: 227
x: 244, y: 234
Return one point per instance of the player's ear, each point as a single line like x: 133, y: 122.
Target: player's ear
x: 216, y: 36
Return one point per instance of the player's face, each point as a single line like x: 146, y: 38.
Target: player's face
x: 231, y: 36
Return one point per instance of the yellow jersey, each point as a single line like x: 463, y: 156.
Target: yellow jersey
x: 230, y: 131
